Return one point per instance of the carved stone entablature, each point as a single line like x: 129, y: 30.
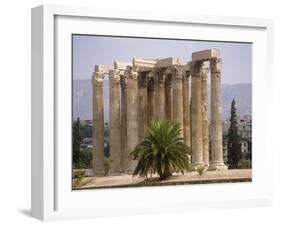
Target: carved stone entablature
x: 216, y: 65
x: 114, y: 76
x: 148, y: 64
x: 103, y: 69
x: 144, y: 63
x: 122, y: 66
x: 97, y: 78
x: 196, y: 68
x: 205, y: 55
x: 167, y: 62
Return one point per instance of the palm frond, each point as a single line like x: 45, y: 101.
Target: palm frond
x: 162, y: 151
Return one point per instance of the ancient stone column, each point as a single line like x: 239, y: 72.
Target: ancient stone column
x: 132, y: 116
x: 161, y: 114
x: 151, y: 96
x: 169, y: 95
x: 142, y: 104
x: 196, y: 115
x: 115, y: 123
x: 178, y: 96
x: 98, y: 124
x: 205, y: 132
x: 124, y: 158
x: 216, y: 116
x: 186, y: 109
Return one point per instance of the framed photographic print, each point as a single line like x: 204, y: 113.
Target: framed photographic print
x: 136, y: 113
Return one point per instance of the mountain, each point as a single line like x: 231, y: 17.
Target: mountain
x: 82, y: 99
x: 242, y: 93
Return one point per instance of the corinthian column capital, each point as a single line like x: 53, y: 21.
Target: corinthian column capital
x: 132, y: 73
x: 114, y: 76
x: 187, y: 71
x: 151, y: 74
x: 196, y: 68
x: 186, y: 77
x: 151, y: 79
x: 204, y: 71
x: 151, y: 83
x: 216, y: 65
x: 142, y: 79
x: 97, y: 78
x: 124, y: 82
x: 168, y: 71
x: 178, y: 72
x: 161, y: 77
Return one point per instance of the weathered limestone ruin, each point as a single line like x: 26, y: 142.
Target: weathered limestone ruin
x: 145, y: 89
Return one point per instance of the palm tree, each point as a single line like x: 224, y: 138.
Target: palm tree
x: 163, y: 151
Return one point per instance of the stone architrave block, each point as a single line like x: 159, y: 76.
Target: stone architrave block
x: 205, y: 55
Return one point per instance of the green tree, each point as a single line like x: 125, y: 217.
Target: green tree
x: 249, y: 156
x: 77, y: 139
x: 233, y: 145
x: 163, y: 151
x: 86, y: 130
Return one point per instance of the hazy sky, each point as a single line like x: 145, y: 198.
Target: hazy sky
x: 91, y: 50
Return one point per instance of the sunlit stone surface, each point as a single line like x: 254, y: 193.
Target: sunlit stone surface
x: 159, y: 89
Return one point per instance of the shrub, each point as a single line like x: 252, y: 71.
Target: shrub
x: 244, y: 164
x: 78, y: 177
x: 106, y: 165
x: 189, y: 169
x: 201, y: 170
x: 79, y: 174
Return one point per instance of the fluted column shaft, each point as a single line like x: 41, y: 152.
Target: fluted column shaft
x: 205, y: 132
x: 98, y: 124
x: 216, y: 116
x: 161, y: 95
x: 132, y: 116
x: 142, y: 105
x: 115, y: 123
x: 196, y: 115
x: 186, y: 109
x: 178, y: 97
x: 151, y: 97
x: 169, y: 97
x: 124, y: 150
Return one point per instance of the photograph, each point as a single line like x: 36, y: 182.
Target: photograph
x: 160, y: 112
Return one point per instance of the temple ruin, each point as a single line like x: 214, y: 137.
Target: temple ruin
x: 147, y: 89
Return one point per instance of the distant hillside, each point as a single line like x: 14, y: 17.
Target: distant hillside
x: 242, y: 93
x: 82, y: 99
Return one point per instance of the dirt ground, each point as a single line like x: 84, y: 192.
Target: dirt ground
x: 223, y: 176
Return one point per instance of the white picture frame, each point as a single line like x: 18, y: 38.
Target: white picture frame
x: 52, y: 197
